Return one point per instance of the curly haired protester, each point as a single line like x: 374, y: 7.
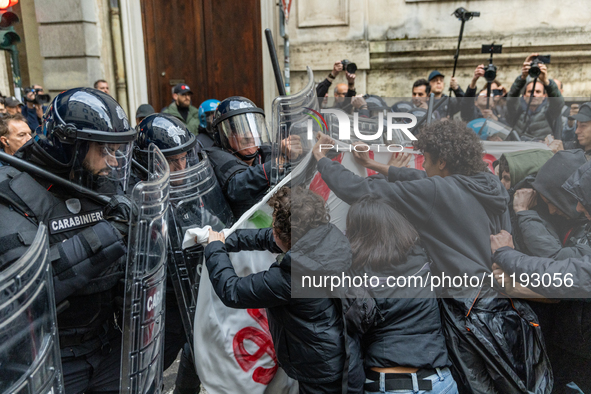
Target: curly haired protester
x: 495, y: 345
x: 308, y: 333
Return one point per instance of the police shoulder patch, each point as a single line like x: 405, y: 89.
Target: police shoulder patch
x: 73, y: 222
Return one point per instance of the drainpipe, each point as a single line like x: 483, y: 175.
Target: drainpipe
x: 121, y: 84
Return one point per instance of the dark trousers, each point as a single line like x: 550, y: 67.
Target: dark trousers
x: 96, y: 372
x: 335, y: 387
x: 187, y: 381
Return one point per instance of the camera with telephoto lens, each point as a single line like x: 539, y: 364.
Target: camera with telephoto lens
x: 349, y: 66
x: 534, y: 70
x: 490, y: 72
x: 38, y: 97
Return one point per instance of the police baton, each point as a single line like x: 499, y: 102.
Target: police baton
x: 275, y: 62
x: 32, y: 169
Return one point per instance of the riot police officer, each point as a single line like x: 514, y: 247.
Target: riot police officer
x: 196, y: 200
x: 206, y: 111
x: 85, y: 138
x: 241, y: 156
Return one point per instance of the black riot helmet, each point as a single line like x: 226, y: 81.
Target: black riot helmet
x: 87, y: 131
x: 239, y: 127
x: 168, y: 133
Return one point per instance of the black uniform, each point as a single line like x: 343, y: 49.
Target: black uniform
x: 243, y: 185
x: 87, y: 254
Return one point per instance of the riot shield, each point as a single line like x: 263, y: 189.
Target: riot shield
x: 142, y: 352
x: 293, y: 116
x: 29, y: 349
x: 196, y: 200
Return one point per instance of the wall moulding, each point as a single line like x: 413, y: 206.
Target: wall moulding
x: 314, y: 13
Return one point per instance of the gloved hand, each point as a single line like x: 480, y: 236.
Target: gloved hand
x: 118, y: 213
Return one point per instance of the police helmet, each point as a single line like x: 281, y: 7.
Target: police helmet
x: 239, y: 127
x: 206, y: 110
x: 88, y: 131
x: 168, y: 133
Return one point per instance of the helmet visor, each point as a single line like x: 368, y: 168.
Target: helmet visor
x: 102, y: 167
x: 243, y: 133
x: 183, y: 160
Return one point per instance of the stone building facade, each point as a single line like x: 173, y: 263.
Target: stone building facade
x: 70, y: 43
x: 395, y: 42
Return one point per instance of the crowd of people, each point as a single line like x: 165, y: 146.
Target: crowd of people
x: 530, y: 216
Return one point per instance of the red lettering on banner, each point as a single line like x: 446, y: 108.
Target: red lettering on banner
x: 318, y: 185
x: 372, y: 172
x: 489, y: 159
x: 261, y: 338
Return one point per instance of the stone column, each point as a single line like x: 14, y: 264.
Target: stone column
x: 70, y: 43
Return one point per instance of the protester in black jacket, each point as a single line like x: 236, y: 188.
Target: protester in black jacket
x: 455, y: 207
x: 308, y: 333
x: 546, y: 218
x: 407, y: 340
x: 568, y: 329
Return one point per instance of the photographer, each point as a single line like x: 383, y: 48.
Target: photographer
x: 33, y: 109
x: 534, y: 118
x: 474, y: 109
x: 437, y: 86
x: 340, y: 91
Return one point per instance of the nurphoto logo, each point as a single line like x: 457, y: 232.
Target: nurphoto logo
x: 344, y: 123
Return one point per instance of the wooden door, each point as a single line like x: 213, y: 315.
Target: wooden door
x: 214, y: 46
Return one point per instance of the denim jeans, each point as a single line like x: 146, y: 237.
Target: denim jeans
x: 442, y: 381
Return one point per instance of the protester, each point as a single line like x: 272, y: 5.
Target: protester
x: 14, y: 132
x: 516, y: 166
x: 385, y: 244
x: 537, y: 113
x: 142, y: 112
x: 547, y: 221
x: 102, y: 85
x: 567, y: 343
x: 308, y: 333
x: 182, y: 109
x: 420, y: 93
x: 454, y: 205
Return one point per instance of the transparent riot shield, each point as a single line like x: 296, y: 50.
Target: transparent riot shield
x: 29, y: 348
x: 142, y: 352
x: 294, y: 122
x: 196, y: 200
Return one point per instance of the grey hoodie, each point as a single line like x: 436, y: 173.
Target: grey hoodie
x: 454, y: 216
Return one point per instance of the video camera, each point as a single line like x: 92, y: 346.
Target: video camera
x: 39, y: 98
x: 349, y: 66
x: 465, y: 15
x: 534, y: 70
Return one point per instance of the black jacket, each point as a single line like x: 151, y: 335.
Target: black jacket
x: 535, y: 125
x: 454, y: 215
x: 307, y: 332
x: 492, y: 342
x: 410, y: 332
x: 545, y: 235
x: 243, y: 185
